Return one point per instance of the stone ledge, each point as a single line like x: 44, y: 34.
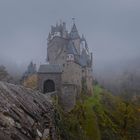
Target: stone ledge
x: 25, y: 114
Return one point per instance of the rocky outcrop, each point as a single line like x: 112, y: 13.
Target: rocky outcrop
x: 25, y: 114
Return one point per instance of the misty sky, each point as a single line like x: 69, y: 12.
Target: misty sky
x: 111, y: 27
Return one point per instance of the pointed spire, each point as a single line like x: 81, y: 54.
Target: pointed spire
x: 73, y: 19
x: 83, y: 37
x: 31, y: 68
x: 74, y: 32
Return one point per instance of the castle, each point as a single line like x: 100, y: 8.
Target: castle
x: 69, y: 69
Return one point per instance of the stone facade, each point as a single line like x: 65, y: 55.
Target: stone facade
x: 70, y: 51
x: 50, y: 73
x: 68, y: 96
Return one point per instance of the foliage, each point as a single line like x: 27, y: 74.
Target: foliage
x: 31, y: 81
x: 4, y: 75
x: 100, y: 116
x: 79, y: 124
x: 3, y: 72
x: 117, y: 119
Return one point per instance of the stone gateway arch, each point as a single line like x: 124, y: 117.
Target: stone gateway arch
x: 49, y: 86
x: 49, y: 78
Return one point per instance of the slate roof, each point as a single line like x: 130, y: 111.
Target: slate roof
x: 74, y: 32
x: 84, y: 59
x: 50, y: 68
x: 71, y: 48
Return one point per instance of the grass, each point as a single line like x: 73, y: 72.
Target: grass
x: 90, y: 124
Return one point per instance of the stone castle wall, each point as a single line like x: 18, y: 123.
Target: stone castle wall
x: 72, y: 74
x: 56, y: 51
x: 56, y: 78
x: 68, y: 96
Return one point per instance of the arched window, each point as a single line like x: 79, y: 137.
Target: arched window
x: 70, y: 57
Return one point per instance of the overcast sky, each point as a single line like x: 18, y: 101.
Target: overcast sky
x: 111, y: 27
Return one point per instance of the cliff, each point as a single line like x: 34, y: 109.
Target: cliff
x: 25, y: 114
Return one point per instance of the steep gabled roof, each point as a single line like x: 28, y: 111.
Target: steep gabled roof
x: 84, y: 58
x: 71, y: 48
x: 74, y: 32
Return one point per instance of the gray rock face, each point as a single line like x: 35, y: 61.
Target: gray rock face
x: 25, y: 114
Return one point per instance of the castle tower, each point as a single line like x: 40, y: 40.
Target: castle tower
x: 74, y: 36
x: 69, y: 52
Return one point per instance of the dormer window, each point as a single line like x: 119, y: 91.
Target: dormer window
x: 70, y: 57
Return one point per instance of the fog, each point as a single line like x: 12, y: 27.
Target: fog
x: 112, y: 30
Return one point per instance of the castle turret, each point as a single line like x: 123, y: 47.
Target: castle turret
x: 74, y: 36
x: 31, y: 70
x: 49, y: 38
x: 74, y: 32
x: 91, y: 59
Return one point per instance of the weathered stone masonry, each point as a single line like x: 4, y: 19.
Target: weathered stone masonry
x: 70, y: 52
